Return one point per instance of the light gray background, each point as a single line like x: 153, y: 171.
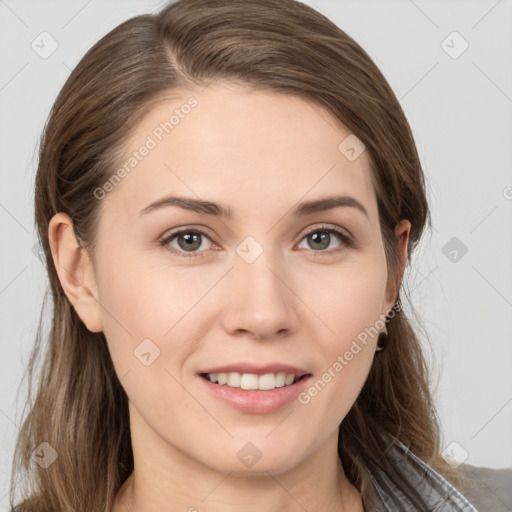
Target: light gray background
x: 460, y: 113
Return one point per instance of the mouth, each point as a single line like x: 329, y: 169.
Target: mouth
x: 252, y: 393
x: 251, y: 381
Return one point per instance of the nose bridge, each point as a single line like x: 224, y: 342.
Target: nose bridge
x: 260, y: 302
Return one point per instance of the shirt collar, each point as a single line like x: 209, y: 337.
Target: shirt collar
x: 385, y: 495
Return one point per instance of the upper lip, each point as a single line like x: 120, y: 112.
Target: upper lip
x: 257, y: 369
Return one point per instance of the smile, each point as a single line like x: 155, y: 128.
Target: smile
x: 264, y: 382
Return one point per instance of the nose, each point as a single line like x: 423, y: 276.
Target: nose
x: 260, y: 302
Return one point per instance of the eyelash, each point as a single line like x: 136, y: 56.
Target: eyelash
x: 348, y: 242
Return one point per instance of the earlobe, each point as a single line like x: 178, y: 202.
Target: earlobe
x: 75, y: 271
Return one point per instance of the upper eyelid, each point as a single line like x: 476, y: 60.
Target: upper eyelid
x: 326, y: 227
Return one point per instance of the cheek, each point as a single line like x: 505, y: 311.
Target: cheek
x: 349, y: 306
x: 141, y: 300
x: 133, y: 296
x: 349, y: 302
x: 148, y: 315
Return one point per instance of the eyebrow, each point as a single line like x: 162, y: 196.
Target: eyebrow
x: 211, y: 208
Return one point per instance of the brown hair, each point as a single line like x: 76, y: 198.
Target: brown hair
x: 80, y: 407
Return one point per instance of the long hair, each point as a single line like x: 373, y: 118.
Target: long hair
x: 76, y: 403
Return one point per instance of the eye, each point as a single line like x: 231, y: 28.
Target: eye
x: 188, y: 240
x: 320, y: 238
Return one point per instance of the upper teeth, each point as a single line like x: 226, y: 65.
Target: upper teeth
x: 252, y: 381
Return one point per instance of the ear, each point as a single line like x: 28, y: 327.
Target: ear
x: 75, y: 271
x: 402, y: 231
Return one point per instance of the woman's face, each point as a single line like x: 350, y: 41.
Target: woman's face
x: 265, y: 286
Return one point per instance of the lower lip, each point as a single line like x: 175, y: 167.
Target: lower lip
x: 254, y: 400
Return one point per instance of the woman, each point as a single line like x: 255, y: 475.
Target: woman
x: 227, y: 196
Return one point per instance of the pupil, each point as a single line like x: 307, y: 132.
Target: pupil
x: 191, y: 241
x: 318, y: 238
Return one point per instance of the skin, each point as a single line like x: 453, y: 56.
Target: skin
x: 260, y: 153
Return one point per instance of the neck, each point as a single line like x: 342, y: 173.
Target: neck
x: 151, y: 489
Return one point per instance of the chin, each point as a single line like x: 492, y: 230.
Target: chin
x: 253, y: 458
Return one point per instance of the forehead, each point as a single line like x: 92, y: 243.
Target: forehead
x: 245, y: 146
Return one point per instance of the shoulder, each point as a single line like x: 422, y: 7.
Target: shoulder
x: 488, y: 489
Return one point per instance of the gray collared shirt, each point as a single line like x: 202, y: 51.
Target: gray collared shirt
x: 435, y: 491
